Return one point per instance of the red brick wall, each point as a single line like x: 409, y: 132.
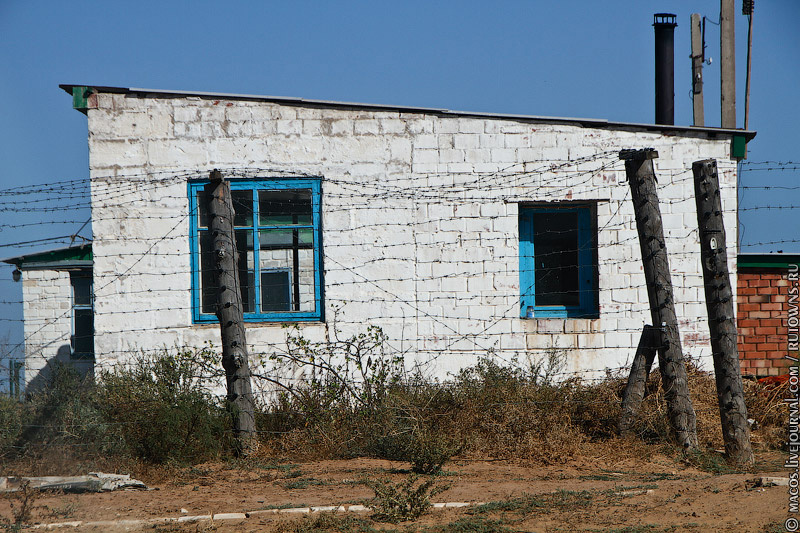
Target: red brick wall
x: 761, y: 318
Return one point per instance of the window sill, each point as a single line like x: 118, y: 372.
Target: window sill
x: 546, y: 313
x: 252, y: 323
x: 555, y: 326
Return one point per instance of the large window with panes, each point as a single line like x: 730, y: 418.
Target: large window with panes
x: 277, y: 232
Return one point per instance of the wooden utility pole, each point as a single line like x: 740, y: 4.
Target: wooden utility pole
x: 695, y: 23
x: 637, y: 381
x: 229, y: 312
x: 641, y: 178
x: 727, y: 63
x: 747, y: 9
x: 719, y: 302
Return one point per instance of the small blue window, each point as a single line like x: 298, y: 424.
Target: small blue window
x: 82, y: 338
x: 557, y: 261
x: 277, y: 231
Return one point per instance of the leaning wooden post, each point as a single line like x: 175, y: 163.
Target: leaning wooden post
x: 641, y: 177
x: 719, y: 302
x: 229, y: 312
x: 637, y: 380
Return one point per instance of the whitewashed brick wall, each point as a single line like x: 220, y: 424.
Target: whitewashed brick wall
x: 46, y: 301
x: 420, y: 218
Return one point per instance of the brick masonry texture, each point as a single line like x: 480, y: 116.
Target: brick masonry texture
x: 46, y: 301
x: 420, y: 225
x: 762, y: 321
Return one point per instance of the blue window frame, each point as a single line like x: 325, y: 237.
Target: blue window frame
x: 277, y: 226
x: 82, y: 335
x: 557, y: 261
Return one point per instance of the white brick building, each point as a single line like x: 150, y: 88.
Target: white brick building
x: 458, y: 234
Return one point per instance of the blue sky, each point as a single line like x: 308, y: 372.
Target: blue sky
x: 570, y: 58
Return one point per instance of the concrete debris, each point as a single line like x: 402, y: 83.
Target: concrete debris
x: 772, y: 482
x: 94, y: 482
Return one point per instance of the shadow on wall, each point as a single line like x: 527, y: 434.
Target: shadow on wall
x: 63, y: 358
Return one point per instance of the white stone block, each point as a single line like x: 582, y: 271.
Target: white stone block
x: 503, y: 155
x: 466, y: 141
x: 425, y: 156
x: 289, y: 127
x: 367, y: 127
x: 445, y: 125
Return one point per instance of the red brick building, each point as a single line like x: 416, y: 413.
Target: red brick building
x: 762, y: 313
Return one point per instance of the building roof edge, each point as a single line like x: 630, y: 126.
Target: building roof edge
x: 586, y: 122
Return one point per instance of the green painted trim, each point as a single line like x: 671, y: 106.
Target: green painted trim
x: 74, y: 255
x: 80, y: 97
x: 777, y: 261
x: 739, y: 146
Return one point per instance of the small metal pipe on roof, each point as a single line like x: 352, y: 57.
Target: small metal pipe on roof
x: 664, y: 25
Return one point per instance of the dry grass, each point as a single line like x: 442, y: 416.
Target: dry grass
x: 486, y: 411
x: 506, y: 413
x: 764, y: 405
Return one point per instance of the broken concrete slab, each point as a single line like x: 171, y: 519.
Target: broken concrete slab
x: 94, y: 482
x: 772, y: 482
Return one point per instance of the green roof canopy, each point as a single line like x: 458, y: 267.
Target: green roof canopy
x: 777, y: 261
x: 71, y: 257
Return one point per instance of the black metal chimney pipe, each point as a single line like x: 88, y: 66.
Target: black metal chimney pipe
x: 664, y: 24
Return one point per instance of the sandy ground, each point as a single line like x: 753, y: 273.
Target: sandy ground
x: 623, y: 495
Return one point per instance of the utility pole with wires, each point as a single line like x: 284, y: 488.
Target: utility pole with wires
x: 727, y: 64
x: 230, y: 313
x: 674, y: 380
x: 721, y: 318
x: 695, y: 23
x: 747, y: 10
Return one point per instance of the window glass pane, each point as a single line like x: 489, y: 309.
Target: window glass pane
x: 305, y: 276
x: 276, y: 290
x: 242, y: 207
x: 289, y: 251
x: 83, y: 333
x: 208, y: 271
x: 208, y: 268
x: 276, y: 238
x: 555, y: 245
x: 306, y: 236
x: 81, y: 289
x: 247, y: 260
x: 285, y: 207
x: 202, y: 210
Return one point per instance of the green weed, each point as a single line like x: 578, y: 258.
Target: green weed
x: 562, y: 500
x: 470, y: 525
x: 62, y: 511
x: 303, y: 483
x: 709, y: 461
x: 326, y: 522
x: 405, y: 500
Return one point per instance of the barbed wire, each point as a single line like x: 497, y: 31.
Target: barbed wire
x: 545, y: 179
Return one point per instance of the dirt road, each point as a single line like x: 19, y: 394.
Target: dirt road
x: 585, y: 494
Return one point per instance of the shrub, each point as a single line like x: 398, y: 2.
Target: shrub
x: 60, y: 425
x: 356, y: 399
x: 404, y: 500
x: 518, y: 413
x: 22, y: 506
x: 163, y: 411
x: 13, y: 418
x: 427, y: 449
